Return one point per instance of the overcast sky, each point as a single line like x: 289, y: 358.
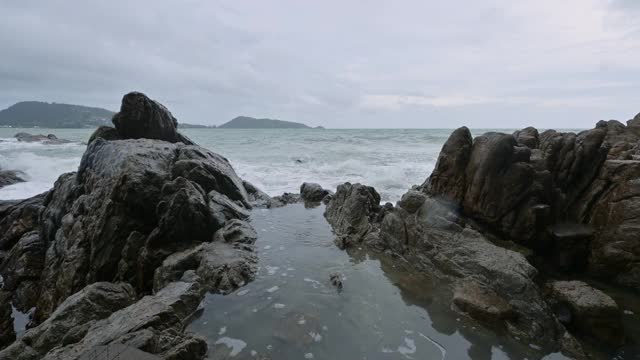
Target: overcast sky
x: 374, y: 63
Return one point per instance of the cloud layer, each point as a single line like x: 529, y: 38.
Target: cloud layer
x: 496, y: 63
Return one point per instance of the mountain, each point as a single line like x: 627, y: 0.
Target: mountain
x: 246, y: 122
x: 53, y: 115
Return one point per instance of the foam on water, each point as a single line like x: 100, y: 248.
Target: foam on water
x: 275, y: 161
x: 40, y: 164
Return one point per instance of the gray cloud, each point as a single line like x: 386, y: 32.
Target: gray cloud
x: 494, y: 63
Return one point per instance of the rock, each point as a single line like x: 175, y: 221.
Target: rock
x: 312, y: 192
x: 570, y: 249
x: 528, y: 137
x: 45, y: 139
x: 141, y: 117
x: 336, y: 280
x: 590, y: 311
x: 223, y: 209
x: 223, y: 267
x: 7, y: 331
x: 257, y: 198
x: 21, y: 270
x: 10, y: 177
x: 18, y: 218
x: 613, y: 211
x: 437, y: 239
x: 154, y: 323
x: 94, y: 302
x: 350, y: 211
x: 448, y: 178
x: 285, y: 199
x: 128, y: 202
x: 481, y: 303
x: 412, y: 200
x: 106, y: 133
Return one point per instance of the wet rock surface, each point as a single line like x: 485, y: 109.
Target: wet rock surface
x: 587, y: 310
x: 10, y: 177
x: 499, y: 204
x: 49, y: 139
x: 147, y: 213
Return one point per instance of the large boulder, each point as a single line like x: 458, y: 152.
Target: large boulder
x: 49, y: 139
x: 94, y: 302
x: 351, y: 212
x: 569, y: 197
x: 587, y: 310
x: 312, y: 192
x: 141, y: 117
x: 153, y: 324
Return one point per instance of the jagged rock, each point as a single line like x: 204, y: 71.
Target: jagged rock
x: 312, y: 192
x: 10, y: 177
x: 154, y: 323
x: 437, y: 240
x: 223, y: 266
x: 448, y: 178
x: 21, y: 270
x: 94, y: 302
x: 351, y: 210
x: 46, y: 139
x: 570, y: 248
x: 257, y: 198
x: 528, y: 137
x: 141, y: 117
x: 412, y: 200
x: 18, y: 218
x: 7, y: 331
x: 223, y: 209
x: 481, y: 303
x: 126, y: 191
x: 105, y: 132
x: 285, y: 199
x: 587, y: 310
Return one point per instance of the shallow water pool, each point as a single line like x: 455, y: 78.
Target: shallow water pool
x: 292, y: 311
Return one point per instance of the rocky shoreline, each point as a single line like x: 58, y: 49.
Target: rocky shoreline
x: 509, y: 220
x: 124, y: 250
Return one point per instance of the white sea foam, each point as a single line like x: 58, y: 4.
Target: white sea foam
x: 389, y: 160
x: 236, y: 345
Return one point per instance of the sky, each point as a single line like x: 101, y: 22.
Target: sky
x: 339, y: 64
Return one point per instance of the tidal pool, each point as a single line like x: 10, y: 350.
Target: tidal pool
x: 292, y: 311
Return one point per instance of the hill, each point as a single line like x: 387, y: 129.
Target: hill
x: 246, y: 122
x: 53, y: 115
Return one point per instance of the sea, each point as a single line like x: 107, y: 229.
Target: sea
x: 275, y: 160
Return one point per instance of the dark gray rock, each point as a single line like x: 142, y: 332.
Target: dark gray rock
x: 257, y: 198
x: 285, y: 199
x: 45, y: 139
x: 154, y: 323
x: 412, y: 200
x: 481, y: 303
x: 312, y: 192
x: 351, y: 212
x: 94, y: 302
x: 10, y: 177
x: 106, y: 133
x: 448, y: 178
x: 590, y: 311
x: 141, y: 117
x: 18, y: 217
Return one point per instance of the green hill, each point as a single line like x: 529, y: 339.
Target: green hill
x: 53, y: 115
x: 246, y: 122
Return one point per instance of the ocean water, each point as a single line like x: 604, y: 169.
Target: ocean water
x: 276, y: 161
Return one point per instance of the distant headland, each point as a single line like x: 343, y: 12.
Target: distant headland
x: 246, y: 122
x: 27, y: 114
x: 54, y: 115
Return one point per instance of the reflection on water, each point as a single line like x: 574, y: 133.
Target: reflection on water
x: 291, y: 311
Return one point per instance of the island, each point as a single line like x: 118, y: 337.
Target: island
x: 246, y: 122
x: 53, y: 115
x: 195, y: 126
